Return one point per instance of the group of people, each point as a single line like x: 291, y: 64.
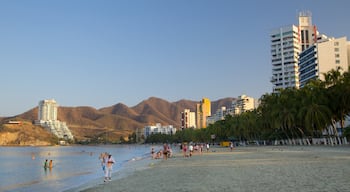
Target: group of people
x: 166, y: 152
x: 191, y: 148
x: 107, y: 162
x: 48, y: 164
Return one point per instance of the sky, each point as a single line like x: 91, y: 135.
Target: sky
x: 99, y: 53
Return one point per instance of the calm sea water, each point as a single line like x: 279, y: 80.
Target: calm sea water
x: 21, y: 168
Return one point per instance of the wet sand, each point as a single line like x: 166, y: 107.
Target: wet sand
x: 245, y: 169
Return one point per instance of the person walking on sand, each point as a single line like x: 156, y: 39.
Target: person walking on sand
x: 231, y: 145
x: 207, y: 147
x: 109, y: 167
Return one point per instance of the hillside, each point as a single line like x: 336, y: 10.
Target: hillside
x: 25, y: 134
x: 120, y: 120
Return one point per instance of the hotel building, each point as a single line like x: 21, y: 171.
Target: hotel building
x: 47, y: 118
x: 323, y: 57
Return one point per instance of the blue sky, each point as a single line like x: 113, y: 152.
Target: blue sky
x: 99, y: 53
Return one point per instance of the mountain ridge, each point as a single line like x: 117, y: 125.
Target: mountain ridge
x: 120, y: 120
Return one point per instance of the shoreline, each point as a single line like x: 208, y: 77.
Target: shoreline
x: 260, y: 168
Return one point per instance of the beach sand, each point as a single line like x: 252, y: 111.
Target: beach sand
x: 245, y: 169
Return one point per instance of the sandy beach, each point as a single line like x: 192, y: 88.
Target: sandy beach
x: 245, y: 169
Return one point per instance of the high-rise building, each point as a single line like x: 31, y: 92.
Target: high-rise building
x: 286, y: 45
x: 203, y: 110
x: 285, y: 49
x: 323, y: 57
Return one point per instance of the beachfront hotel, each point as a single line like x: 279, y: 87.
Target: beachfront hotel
x: 203, y: 110
x: 47, y: 118
x: 322, y: 57
x: 188, y: 119
x: 286, y: 45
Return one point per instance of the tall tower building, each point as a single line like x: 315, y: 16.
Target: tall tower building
x: 203, y: 110
x: 285, y: 49
x: 47, y: 110
x: 286, y: 45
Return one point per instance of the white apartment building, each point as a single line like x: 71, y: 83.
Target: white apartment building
x: 285, y: 49
x: 158, y: 129
x: 243, y: 104
x: 286, y: 44
x: 188, y: 119
x: 47, y: 118
x: 323, y: 57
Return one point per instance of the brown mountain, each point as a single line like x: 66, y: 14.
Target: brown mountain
x: 120, y: 120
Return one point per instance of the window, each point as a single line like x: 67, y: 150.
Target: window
x: 336, y: 49
x: 337, y: 55
x: 337, y: 61
x: 336, y: 43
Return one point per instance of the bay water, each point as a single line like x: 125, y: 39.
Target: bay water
x: 21, y: 168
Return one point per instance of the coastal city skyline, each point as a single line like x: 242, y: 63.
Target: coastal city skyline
x: 93, y: 53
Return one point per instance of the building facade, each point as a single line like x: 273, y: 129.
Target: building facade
x: 323, y: 57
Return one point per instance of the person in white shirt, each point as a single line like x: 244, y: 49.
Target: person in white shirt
x: 191, y: 149
x: 109, y: 167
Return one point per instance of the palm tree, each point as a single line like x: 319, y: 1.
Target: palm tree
x: 314, y: 114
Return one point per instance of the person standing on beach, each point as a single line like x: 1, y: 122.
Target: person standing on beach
x: 184, y: 150
x: 103, y: 159
x: 109, y: 167
x: 191, y: 149
x: 152, y: 153
x: 207, y: 147
x: 165, y: 151
x: 231, y: 145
